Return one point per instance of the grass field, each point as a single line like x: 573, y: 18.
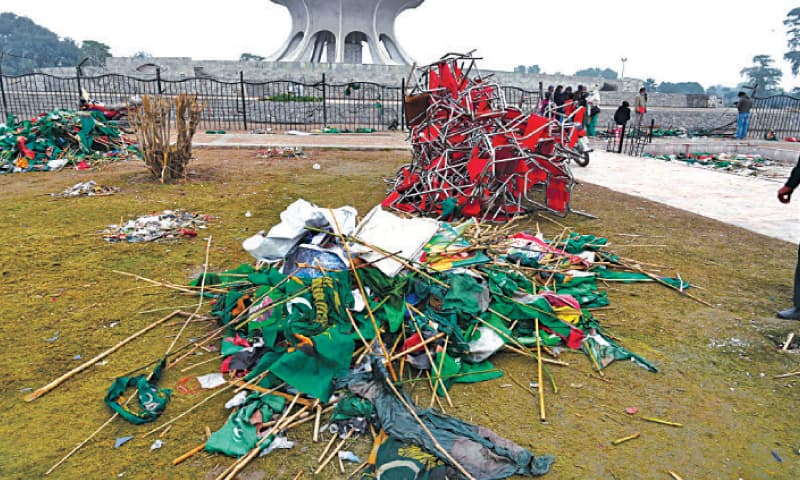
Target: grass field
x: 716, y: 364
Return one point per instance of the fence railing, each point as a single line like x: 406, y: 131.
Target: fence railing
x: 233, y: 105
x: 777, y: 114
x: 629, y: 140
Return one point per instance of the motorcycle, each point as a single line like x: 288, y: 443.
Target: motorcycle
x: 582, y: 149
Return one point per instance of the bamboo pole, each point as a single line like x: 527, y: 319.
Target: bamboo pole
x: 189, y: 454
x: 417, y: 347
x: 80, y: 445
x: 625, y: 439
x: 58, y: 381
x: 333, y: 453
x: 191, y: 409
x: 542, y: 415
x: 199, y: 303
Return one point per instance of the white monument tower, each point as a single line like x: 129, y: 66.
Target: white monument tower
x: 336, y: 31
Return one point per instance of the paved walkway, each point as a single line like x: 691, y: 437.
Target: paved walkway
x: 747, y: 202
x: 364, y: 141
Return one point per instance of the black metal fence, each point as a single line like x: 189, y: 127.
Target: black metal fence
x: 777, y: 115
x: 233, y: 105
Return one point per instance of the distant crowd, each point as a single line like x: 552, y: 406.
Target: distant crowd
x: 583, y: 106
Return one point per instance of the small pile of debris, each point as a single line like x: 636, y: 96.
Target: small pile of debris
x: 58, y: 139
x: 739, y: 164
x: 169, y: 224
x: 280, y: 152
x: 87, y: 189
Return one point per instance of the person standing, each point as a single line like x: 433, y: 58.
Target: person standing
x: 785, y: 196
x: 641, y: 106
x: 559, y: 97
x: 593, y: 114
x: 623, y: 114
x: 744, y: 105
x: 548, y: 99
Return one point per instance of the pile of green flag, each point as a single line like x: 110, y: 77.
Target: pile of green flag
x: 59, y: 138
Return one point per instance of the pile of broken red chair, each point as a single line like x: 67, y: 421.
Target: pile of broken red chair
x: 474, y: 155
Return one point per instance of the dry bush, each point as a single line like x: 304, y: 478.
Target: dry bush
x: 152, y: 121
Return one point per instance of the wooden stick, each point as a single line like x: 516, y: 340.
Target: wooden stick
x: 788, y: 342
x: 441, y: 380
x: 785, y: 375
x: 198, y: 364
x: 317, y: 419
x: 199, y: 303
x: 542, y: 415
x: 327, y: 447
x: 435, y: 370
x: 80, y: 445
x: 192, y: 408
x: 662, y: 422
x: 256, y: 388
x: 521, y: 385
x: 436, y: 443
x: 333, y: 453
x: 58, y: 381
x: 189, y: 454
x: 674, y: 475
x: 625, y: 439
x: 299, y: 474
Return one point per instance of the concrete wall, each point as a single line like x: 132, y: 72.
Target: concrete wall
x: 688, y: 118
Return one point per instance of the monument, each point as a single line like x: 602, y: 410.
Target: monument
x: 337, y: 31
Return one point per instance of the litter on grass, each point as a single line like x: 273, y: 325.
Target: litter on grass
x: 87, y: 189
x: 58, y: 139
x: 318, y: 326
x: 170, y: 224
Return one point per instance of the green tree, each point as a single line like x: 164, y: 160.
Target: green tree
x: 519, y: 69
x: 26, y: 46
x: 96, y: 52
x: 251, y: 57
x: 650, y: 84
x: 534, y: 69
x: 792, y: 23
x: 606, y: 73
x: 142, y: 54
x: 763, y: 75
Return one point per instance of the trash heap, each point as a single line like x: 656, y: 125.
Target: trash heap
x: 86, y: 189
x: 60, y: 138
x: 338, y: 316
x: 169, y: 224
x: 474, y: 156
x: 739, y: 164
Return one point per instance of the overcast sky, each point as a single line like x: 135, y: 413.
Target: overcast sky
x: 670, y: 40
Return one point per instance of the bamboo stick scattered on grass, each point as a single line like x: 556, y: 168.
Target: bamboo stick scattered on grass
x: 58, y: 381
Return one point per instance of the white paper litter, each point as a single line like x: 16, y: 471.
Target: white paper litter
x: 212, y: 380
x: 392, y: 234
x: 237, y: 400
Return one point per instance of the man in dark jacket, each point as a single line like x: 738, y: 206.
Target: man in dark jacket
x: 623, y: 114
x: 744, y: 105
x: 785, y: 196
